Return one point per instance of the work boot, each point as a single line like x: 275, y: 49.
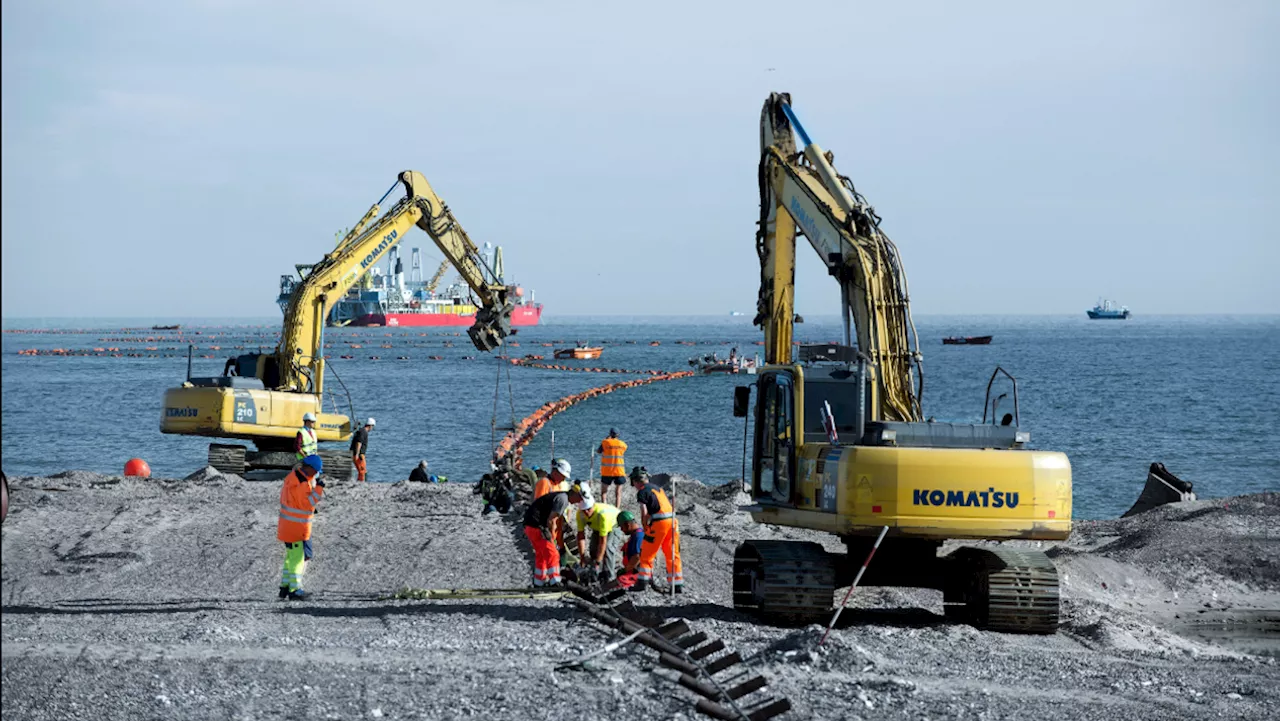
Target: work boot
x: 640, y: 586
x: 678, y: 589
x: 284, y: 592
x: 298, y: 595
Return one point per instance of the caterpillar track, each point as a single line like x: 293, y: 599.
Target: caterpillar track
x: 237, y: 460
x: 997, y: 589
x: 1003, y: 589
x: 784, y: 581
x: 227, y: 458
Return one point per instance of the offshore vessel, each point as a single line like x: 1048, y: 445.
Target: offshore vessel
x: 388, y: 298
x: 1107, y: 310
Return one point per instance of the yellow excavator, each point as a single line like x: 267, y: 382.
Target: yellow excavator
x: 261, y: 397
x: 841, y: 443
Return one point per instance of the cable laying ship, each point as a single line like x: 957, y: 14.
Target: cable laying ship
x: 388, y: 298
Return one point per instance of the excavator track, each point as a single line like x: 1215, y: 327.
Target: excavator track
x: 789, y: 582
x: 337, y: 464
x: 1003, y: 589
x: 227, y: 458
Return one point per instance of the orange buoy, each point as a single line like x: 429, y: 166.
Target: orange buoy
x: 137, y: 467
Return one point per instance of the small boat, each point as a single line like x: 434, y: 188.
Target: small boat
x: 713, y: 363
x: 165, y: 327
x: 1107, y: 310
x: 967, y: 340
x: 581, y: 352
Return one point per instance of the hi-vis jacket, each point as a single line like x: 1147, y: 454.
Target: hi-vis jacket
x: 306, y: 443
x: 611, y: 463
x: 298, y: 499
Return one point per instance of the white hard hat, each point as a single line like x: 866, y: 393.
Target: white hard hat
x: 308, y: 416
x: 586, y: 503
x: 561, y: 465
x: 371, y: 422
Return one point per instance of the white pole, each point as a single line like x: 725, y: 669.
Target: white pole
x: 856, y: 578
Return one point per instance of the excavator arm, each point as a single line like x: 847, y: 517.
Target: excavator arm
x: 801, y: 192
x: 299, y: 358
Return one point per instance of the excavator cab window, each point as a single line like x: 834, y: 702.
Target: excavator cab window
x: 775, y: 437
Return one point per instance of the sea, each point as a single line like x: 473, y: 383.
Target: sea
x: 1200, y: 394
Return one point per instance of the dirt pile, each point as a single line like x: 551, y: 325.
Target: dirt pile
x: 133, y: 598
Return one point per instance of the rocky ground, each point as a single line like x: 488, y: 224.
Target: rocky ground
x: 126, y: 598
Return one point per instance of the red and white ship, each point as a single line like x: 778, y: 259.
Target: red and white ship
x: 390, y: 299
x: 435, y: 312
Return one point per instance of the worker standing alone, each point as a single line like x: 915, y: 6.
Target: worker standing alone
x: 543, y: 523
x: 613, y: 469
x: 658, y: 518
x: 299, y: 495
x: 305, y: 443
x: 359, y: 447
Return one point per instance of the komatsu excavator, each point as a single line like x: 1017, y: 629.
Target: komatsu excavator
x: 261, y: 397
x: 840, y: 441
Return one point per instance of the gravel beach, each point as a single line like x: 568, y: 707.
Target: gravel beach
x: 156, y: 599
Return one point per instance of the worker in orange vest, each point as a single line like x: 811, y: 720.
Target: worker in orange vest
x: 657, y: 515
x: 543, y: 522
x: 613, y: 469
x: 299, y: 495
x: 541, y: 483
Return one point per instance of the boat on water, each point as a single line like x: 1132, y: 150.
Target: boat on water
x: 968, y: 340
x: 166, y: 327
x: 389, y: 298
x: 713, y: 363
x: 736, y: 313
x: 1107, y: 310
x: 581, y: 352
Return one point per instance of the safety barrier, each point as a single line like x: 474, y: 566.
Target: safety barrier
x: 512, y: 444
x: 529, y: 363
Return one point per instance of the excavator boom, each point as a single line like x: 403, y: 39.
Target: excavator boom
x: 261, y: 397
x: 802, y: 190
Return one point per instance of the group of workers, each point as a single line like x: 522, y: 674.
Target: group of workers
x: 612, y: 545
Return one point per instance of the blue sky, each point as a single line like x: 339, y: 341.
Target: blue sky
x: 176, y: 158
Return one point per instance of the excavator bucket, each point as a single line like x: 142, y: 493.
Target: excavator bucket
x: 1162, y: 487
x: 491, y: 326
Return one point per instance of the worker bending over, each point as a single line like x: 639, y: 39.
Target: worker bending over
x: 543, y: 524
x: 360, y: 446
x: 632, y: 545
x: 601, y: 562
x: 299, y: 495
x: 658, y: 518
x: 613, y: 469
x: 305, y: 442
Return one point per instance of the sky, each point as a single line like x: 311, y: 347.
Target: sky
x: 174, y: 159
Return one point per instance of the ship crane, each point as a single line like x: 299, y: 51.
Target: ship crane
x: 435, y: 279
